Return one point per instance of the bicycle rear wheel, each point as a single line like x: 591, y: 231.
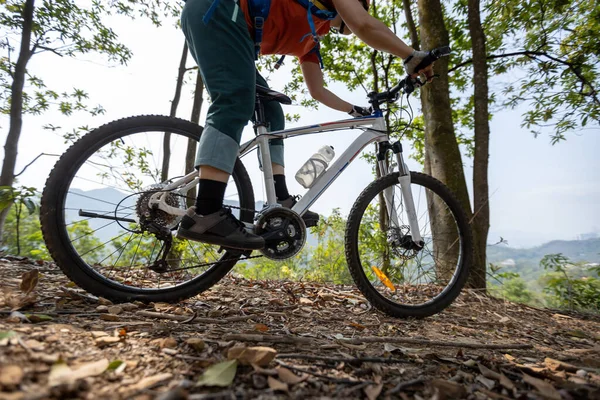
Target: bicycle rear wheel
x: 102, y: 233
x: 396, y: 277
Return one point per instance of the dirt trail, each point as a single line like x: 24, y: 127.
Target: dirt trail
x: 318, y: 341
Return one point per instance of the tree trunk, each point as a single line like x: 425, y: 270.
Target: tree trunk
x: 164, y: 173
x: 481, y: 209
x: 190, y: 155
x: 16, y: 107
x: 442, y: 155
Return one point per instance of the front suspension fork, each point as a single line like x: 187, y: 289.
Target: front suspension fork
x: 405, y: 186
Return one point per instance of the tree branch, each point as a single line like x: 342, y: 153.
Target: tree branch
x: 49, y: 49
x: 34, y: 160
x: 533, y: 55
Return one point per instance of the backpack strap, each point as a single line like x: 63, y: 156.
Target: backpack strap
x: 259, y: 11
x: 316, y: 8
x: 211, y: 10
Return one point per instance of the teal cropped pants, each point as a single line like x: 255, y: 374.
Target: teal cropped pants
x: 224, y: 52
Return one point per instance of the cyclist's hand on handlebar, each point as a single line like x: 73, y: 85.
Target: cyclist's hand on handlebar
x: 358, y: 111
x: 414, y: 65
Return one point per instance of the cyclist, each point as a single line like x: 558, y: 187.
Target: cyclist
x: 221, y: 35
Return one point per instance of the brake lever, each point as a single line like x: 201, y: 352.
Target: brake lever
x: 420, y: 83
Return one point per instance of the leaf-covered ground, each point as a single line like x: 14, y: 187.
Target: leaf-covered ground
x: 265, y: 340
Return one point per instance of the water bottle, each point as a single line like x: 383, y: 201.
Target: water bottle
x: 315, y: 166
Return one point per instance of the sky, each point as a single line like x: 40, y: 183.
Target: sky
x: 538, y: 192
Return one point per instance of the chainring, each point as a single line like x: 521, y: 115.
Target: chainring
x: 284, y: 232
x: 147, y: 214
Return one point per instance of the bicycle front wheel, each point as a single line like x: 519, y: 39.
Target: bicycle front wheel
x: 101, y: 229
x: 397, y: 277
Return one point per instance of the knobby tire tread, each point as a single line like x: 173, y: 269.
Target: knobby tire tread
x: 352, y: 253
x: 68, y: 260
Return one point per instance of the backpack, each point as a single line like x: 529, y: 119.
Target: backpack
x: 259, y: 11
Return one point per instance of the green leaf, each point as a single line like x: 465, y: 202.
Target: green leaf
x: 220, y: 374
x: 38, y: 317
x: 114, y: 365
x: 30, y: 205
x: 6, y: 196
x: 7, y: 334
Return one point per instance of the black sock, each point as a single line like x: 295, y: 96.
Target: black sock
x: 281, y: 190
x: 210, y: 196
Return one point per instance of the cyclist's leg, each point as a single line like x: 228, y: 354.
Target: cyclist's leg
x: 276, y: 119
x: 225, y: 55
x: 274, y: 116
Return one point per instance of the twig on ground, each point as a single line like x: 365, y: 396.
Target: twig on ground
x: 186, y: 318
x: 388, y: 339
x: 382, y: 360
x: 403, y: 385
x: 374, y: 339
x: 329, y: 378
x: 268, y: 338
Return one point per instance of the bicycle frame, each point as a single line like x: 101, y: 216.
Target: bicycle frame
x: 375, y: 132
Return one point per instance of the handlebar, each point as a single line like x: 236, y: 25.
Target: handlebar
x: 409, y: 84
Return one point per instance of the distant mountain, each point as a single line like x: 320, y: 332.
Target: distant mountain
x: 526, y: 262
x: 576, y: 250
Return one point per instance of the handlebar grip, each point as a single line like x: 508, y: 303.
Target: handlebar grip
x: 433, y: 56
x: 442, y: 51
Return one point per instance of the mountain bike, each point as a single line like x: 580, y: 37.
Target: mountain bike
x: 112, y: 204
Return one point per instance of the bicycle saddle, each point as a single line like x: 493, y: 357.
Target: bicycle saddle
x: 266, y: 94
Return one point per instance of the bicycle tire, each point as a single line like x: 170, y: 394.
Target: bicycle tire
x: 353, y: 256
x: 52, y: 214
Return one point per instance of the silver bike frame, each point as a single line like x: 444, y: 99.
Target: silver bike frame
x: 375, y: 132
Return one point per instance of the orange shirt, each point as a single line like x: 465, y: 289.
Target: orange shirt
x: 285, y: 26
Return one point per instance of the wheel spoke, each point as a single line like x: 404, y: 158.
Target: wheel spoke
x: 423, y: 276
x: 106, y: 181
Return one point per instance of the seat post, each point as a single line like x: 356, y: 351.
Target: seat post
x: 259, y: 113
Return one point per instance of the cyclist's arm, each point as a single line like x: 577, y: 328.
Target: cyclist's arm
x: 313, y: 76
x: 370, y: 30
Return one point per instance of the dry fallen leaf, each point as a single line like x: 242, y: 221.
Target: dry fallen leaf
x: 115, y: 310
x: 109, y: 317
x: 260, y: 356
x: 29, y: 281
x: 147, y: 382
x: 276, y: 384
x: 488, y: 383
x: 357, y: 325
x: 556, y: 365
x: 450, y: 389
x: 507, y: 383
x: 287, y: 376
x: 106, y: 341
x: 167, y: 342
x: 488, y: 373
x: 196, y: 343
x: 261, y: 327
x: 545, y: 388
x: 10, y: 375
x: 221, y: 374
x: 373, y: 391
x: 61, y: 373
